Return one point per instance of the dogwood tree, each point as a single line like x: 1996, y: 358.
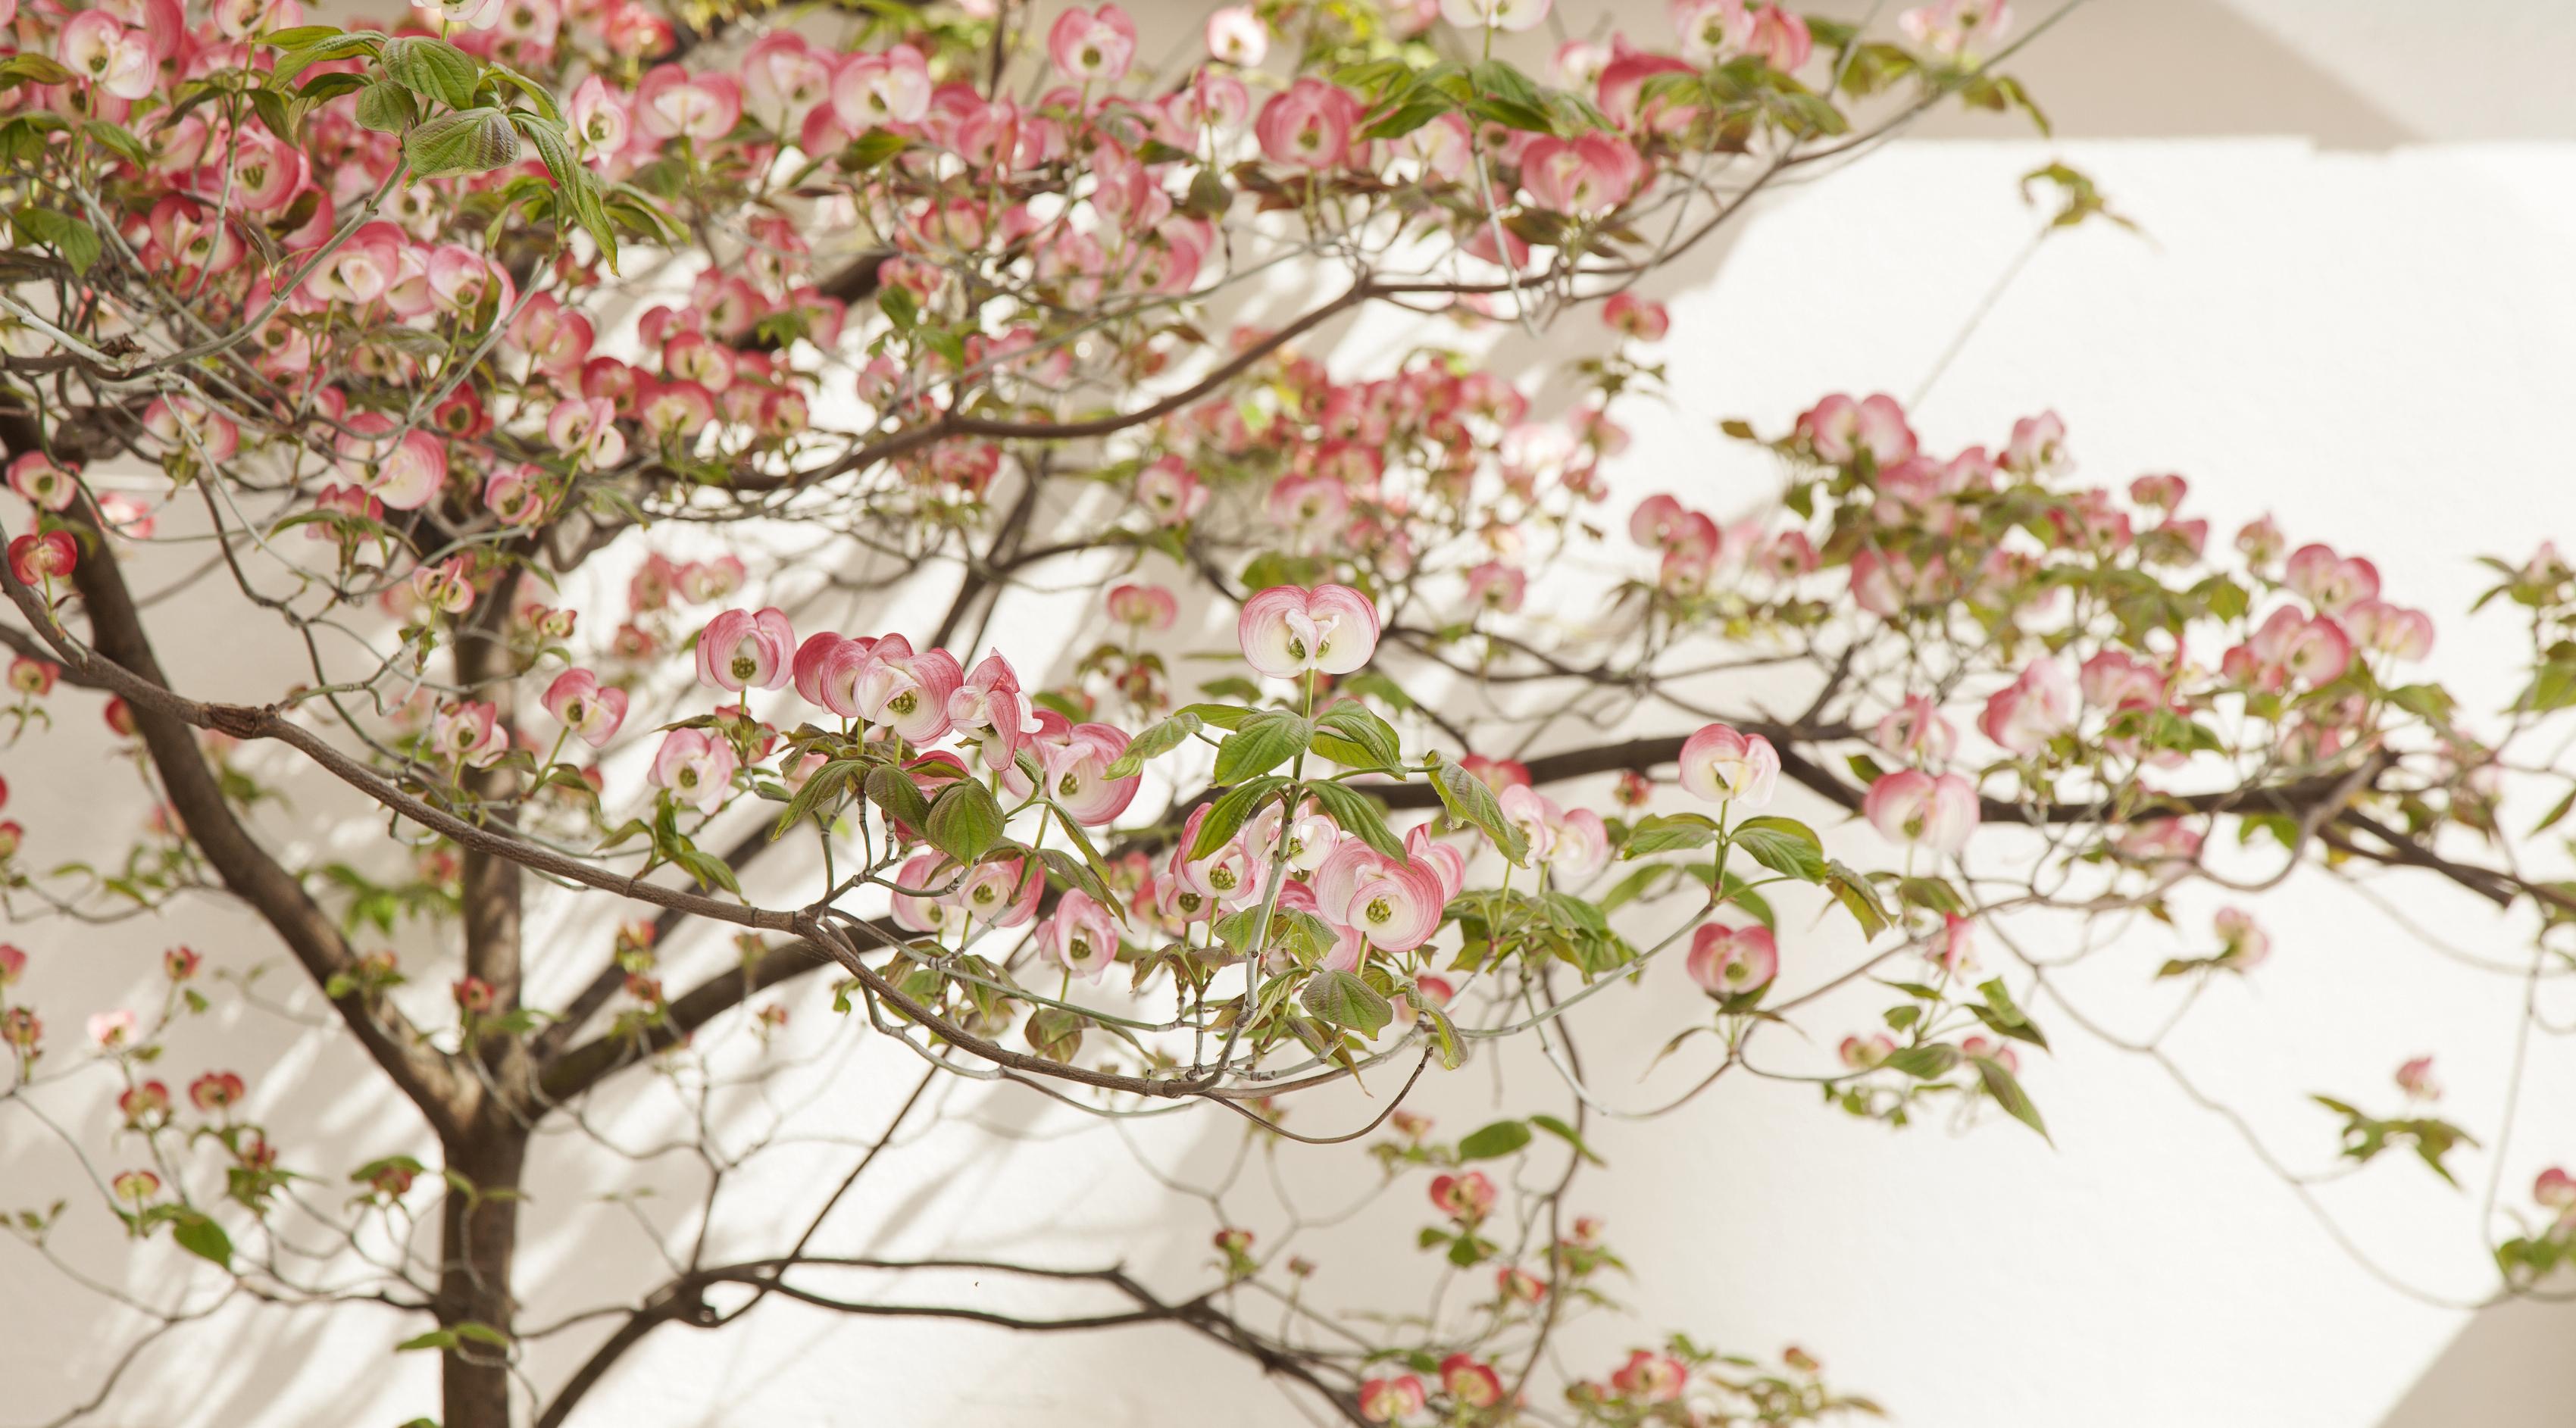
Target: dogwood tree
x: 563, y: 382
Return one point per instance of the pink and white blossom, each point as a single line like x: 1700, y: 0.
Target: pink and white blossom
x: 1722, y: 765
x: 1913, y: 807
x: 578, y: 702
x: 740, y: 651
x: 697, y: 767
x: 1288, y: 630
x: 1732, y: 961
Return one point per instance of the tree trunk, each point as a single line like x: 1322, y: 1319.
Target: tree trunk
x: 480, y: 1227
x: 478, y: 1240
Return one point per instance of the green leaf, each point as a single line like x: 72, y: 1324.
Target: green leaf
x: 825, y: 783
x: 1784, y: 845
x: 1208, y: 196
x: 1858, y: 896
x: 1262, y: 744
x: 1499, y: 77
x: 891, y: 789
x: 2424, y: 701
x: 2555, y: 814
x: 2002, y: 1015
x: 323, y: 88
x: 1500, y: 1138
x: 304, y: 57
x: 75, y: 240
x: 710, y: 870
x: 298, y: 36
x: 536, y: 93
x: 1223, y: 716
x: 1933, y: 893
x: 27, y: 65
x: 1227, y: 815
x: 1924, y: 1063
x: 1357, y: 815
x: 1408, y: 116
x: 2553, y: 686
x: 577, y: 184
x: 1155, y: 742
x: 1444, y: 1033
x: 274, y: 110
x: 1345, y: 999
x: 472, y: 142
x: 118, y: 138
x: 1082, y: 843
x: 1056, y: 1033
x: 1512, y: 115
x: 2009, y: 1094
x: 1471, y: 802
x: 1301, y: 934
x: 1569, y: 1135
x: 899, y: 305
x: 1667, y: 832
x: 434, y: 1339
x: 964, y: 822
x: 433, y: 68
x: 874, y: 148
x: 385, y: 107
x: 1353, y: 736
x: 1075, y: 873
x: 202, y: 1237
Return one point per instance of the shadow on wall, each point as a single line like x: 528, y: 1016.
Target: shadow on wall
x: 2521, y: 1343
x: 2121, y: 69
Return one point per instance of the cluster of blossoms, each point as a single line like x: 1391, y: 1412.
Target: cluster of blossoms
x: 356, y: 282
x: 148, y: 1114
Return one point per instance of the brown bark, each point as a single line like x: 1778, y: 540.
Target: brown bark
x: 478, y: 1240
x: 479, y: 1225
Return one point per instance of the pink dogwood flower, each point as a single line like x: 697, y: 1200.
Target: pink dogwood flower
x: 1143, y: 607
x: 1092, y: 47
x: 2035, y: 708
x: 469, y: 733
x: 1309, y: 126
x: 895, y: 688
x: 1287, y: 630
x: 696, y: 767
x: 36, y: 477
x: 1723, y: 766
x: 1077, y: 773
x: 1910, y: 806
x: 1732, y: 961
x: 1236, y: 36
x: 592, y: 713
x: 1081, y: 937
x: 35, y: 559
x: 740, y: 651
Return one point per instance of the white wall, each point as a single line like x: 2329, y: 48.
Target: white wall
x: 2375, y: 342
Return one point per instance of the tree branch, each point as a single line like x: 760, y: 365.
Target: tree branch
x: 125, y: 662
